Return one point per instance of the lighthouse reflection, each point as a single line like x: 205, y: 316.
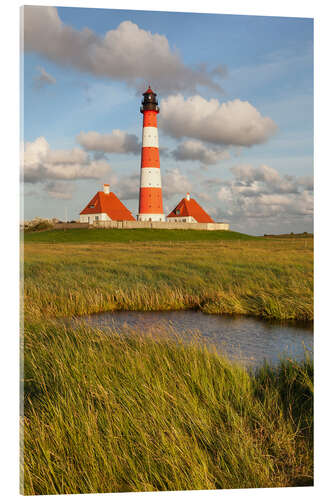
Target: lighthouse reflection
x: 247, y: 340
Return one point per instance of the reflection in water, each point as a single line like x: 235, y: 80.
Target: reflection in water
x: 249, y: 340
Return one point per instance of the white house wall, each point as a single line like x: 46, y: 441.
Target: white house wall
x: 151, y: 217
x: 181, y: 219
x: 92, y: 217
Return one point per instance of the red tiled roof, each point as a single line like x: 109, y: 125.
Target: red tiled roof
x: 190, y: 208
x: 108, y: 204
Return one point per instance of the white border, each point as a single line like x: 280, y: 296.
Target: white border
x: 323, y: 229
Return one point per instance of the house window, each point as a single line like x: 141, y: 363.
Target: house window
x: 91, y: 206
x: 177, y: 212
x: 96, y: 217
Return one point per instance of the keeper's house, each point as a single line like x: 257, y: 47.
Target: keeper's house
x: 105, y: 206
x: 188, y: 210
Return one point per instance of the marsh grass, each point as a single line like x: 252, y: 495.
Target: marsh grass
x: 112, y: 411
x: 106, y: 411
x: 260, y: 277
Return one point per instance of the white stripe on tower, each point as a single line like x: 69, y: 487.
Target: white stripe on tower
x: 149, y: 137
x: 150, y: 177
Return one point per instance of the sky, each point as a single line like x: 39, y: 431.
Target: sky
x: 236, y: 119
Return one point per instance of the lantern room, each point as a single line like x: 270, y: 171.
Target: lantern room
x: 149, y: 101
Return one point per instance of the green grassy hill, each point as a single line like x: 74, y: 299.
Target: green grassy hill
x: 128, y: 235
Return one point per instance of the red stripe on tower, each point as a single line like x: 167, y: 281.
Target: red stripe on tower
x: 150, y: 202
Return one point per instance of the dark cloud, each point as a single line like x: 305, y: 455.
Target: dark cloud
x: 193, y: 150
x: 221, y: 71
x: 164, y: 152
x: 59, y: 190
x: 127, y: 186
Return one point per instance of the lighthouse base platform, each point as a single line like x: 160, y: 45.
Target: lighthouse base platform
x: 127, y: 224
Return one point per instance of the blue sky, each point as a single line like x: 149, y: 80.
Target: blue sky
x: 249, y: 161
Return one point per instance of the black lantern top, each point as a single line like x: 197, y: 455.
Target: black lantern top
x: 149, y: 101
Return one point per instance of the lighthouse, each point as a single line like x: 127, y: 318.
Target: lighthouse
x: 150, y: 201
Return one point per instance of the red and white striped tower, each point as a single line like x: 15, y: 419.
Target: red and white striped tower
x: 150, y: 203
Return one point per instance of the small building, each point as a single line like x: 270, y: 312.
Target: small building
x: 188, y: 210
x: 105, y: 206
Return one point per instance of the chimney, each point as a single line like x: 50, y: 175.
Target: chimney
x: 188, y: 196
x: 106, y: 188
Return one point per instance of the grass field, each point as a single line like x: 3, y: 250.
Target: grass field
x: 256, y: 276
x: 131, y: 235
x: 106, y: 412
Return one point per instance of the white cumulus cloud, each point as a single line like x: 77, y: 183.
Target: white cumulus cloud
x: 116, y: 142
x: 127, y: 53
x: 174, y: 182
x: 263, y: 194
x: 41, y: 163
x: 236, y: 123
